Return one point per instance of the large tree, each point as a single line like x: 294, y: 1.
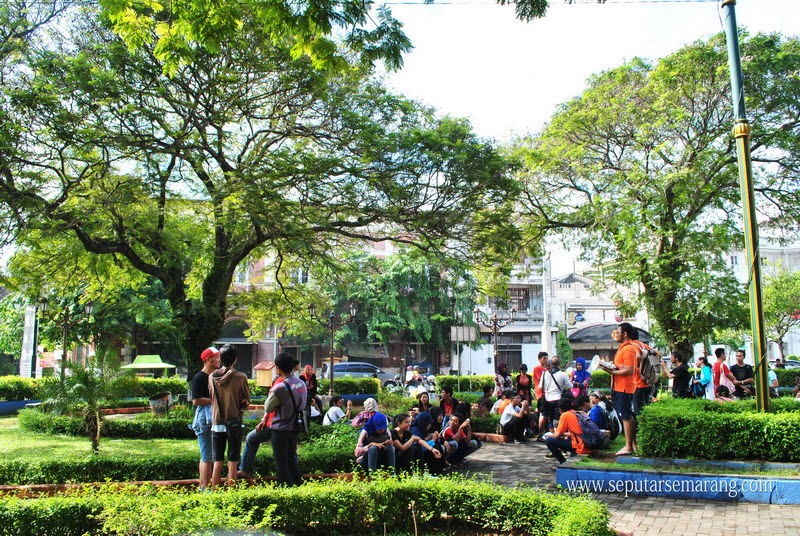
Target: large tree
x: 640, y: 171
x: 781, y: 305
x: 242, y: 152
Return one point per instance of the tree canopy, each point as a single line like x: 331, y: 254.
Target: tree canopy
x: 640, y: 171
x: 242, y: 152
x: 781, y: 305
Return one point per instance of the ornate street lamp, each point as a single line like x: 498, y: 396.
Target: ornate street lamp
x: 332, y: 322
x: 494, y: 323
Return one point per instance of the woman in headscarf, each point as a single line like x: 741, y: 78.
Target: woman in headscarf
x: 502, y: 380
x: 370, y: 408
x: 429, y: 449
x: 374, y: 448
x: 580, y: 378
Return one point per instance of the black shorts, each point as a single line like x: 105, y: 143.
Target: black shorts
x: 623, y: 404
x: 641, y: 398
x: 233, y: 439
x: 550, y: 409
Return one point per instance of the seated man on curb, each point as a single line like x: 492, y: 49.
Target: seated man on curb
x: 335, y: 413
x: 514, y: 419
x: 567, y: 436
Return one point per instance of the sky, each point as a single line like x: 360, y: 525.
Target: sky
x: 474, y: 59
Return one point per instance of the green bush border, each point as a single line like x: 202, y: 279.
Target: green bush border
x: 378, y: 506
x: 704, y: 429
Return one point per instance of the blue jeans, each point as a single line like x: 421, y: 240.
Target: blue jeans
x: 284, y: 451
x: 375, y: 457
x: 251, y: 444
x: 465, y: 449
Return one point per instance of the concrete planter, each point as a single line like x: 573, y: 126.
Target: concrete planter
x: 699, y: 486
x: 11, y: 407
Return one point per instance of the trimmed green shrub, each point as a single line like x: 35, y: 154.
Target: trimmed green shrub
x: 141, y: 426
x: 477, y: 382
x: 19, y: 388
x: 787, y: 377
x: 704, y: 429
x: 375, y: 506
x: 345, y: 385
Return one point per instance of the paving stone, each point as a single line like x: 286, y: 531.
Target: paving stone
x: 510, y: 464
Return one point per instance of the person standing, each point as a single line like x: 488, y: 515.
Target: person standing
x: 201, y: 424
x: 524, y: 384
x: 230, y: 396
x: 679, y: 375
x: 623, y: 385
x: 554, y: 383
x: 744, y: 373
x: 538, y: 370
x: 287, y: 399
x: 722, y: 373
x: 502, y: 380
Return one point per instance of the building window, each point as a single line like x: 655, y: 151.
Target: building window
x: 300, y: 276
x: 734, y: 260
x: 520, y: 298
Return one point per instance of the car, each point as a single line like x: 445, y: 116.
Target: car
x: 787, y: 363
x: 356, y: 369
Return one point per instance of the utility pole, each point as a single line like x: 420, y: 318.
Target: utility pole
x: 741, y: 132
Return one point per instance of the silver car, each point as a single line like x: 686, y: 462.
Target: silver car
x: 356, y: 369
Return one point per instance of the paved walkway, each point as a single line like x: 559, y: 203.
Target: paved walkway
x: 510, y: 464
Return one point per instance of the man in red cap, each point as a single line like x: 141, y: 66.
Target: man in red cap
x: 201, y: 400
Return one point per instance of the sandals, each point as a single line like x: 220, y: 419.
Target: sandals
x: 623, y: 452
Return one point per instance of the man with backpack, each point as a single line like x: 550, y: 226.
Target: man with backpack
x: 623, y: 385
x: 555, y: 386
x: 568, y: 436
x: 648, y: 371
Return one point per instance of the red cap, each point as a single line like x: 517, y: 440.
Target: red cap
x: 209, y: 352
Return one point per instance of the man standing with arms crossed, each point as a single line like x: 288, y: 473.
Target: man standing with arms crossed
x: 201, y: 400
x: 287, y: 399
x: 623, y: 384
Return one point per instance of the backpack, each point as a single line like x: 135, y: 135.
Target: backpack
x: 649, y: 365
x: 592, y: 436
x: 612, y: 420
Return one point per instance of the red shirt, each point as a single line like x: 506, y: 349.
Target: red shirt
x: 720, y: 368
x: 271, y: 415
x: 538, y: 370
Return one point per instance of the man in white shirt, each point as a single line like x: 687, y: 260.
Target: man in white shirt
x: 554, y: 381
x: 514, y: 419
x: 335, y: 413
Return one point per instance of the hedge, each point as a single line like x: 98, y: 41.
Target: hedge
x: 377, y: 506
x: 19, y: 388
x: 600, y: 380
x: 704, y: 429
x: 326, y: 449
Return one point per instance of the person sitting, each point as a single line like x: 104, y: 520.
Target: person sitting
x: 596, y: 413
x: 503, y: 402
x: 723, y: 394
x: 470, y: 443
x: 772, y: 381
x: 567, y: 436
x: 404, y: 442
x: 428, y: 449
x: 374, y: 447
x: 370, y: 408
x: 448, y: 404
x: 423, y: 402
x: 514, y: 419
x: 486, y: 402
x: 335, y: 413
x: 796, y: 390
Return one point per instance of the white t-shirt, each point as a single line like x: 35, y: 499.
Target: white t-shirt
x: 335, y: 414
x: 552, y: 389
x: 508, y: 413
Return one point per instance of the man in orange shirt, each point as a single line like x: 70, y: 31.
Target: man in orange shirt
x: 568, y: 434
x: 623, y: 384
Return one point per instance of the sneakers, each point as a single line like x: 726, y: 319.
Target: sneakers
x: 550, y: 455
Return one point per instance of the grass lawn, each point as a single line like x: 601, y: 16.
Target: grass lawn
x: 17, y: 444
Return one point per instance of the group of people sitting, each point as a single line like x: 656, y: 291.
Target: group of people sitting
x: 431, y: 437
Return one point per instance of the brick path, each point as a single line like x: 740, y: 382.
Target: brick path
x: 511, y: 464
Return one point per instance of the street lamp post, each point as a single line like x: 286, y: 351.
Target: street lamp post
x: 67, y: 321
x: 494, y: 323
x: 332, y: 322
